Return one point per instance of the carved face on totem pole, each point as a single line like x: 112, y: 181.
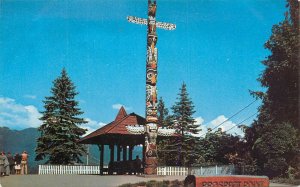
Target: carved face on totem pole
x: 151, y: 129
x: 151, y: 93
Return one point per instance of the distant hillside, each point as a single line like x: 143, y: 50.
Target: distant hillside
x: 15, y: 141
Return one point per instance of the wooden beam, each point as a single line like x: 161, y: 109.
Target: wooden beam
x: 124, y: 152
x: 144, y: 151
x: 101, y: 150
x: 112, y: 153
x: 118, y: 153
x: 130, y: 152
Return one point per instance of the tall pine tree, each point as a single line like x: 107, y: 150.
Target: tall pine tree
x: 184, y: 123
x: 59, y: 131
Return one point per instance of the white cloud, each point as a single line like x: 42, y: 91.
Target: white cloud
x: 225, y: 126
x: 92, y: 125
x: 118, y: 106
x: 199, y: 121
x: 18, y: 116
x: 30, y: 96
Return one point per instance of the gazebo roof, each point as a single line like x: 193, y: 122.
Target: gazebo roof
x: 115, y: 132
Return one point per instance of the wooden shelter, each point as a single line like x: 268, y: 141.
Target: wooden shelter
x: 115, y: 134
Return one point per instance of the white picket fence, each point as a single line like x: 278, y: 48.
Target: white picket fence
x: 212, y: 170
x: 198, y: 171
x: 161, y: 170
x: 66, y: 169
x: 172, y: 170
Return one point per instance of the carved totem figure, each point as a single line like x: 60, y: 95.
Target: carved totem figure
x: 151, y: 101
x: 151, y: 127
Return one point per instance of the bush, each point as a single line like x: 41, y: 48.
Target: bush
x: 275, y: 167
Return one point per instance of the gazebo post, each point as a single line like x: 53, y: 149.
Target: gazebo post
x: 112, y: 152
x: 124, y: 152
x: 130, y: 152
x: 144, y: 151
x: 118, y: 152
x: 101, y: 150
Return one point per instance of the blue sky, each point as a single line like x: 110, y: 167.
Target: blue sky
x: 216, y: 50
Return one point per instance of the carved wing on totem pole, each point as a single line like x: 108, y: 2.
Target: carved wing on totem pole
x: 141, y: 129
x: 142, y: 21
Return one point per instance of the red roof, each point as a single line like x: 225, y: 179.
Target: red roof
x: 116, y: 127
x: 122, y: 113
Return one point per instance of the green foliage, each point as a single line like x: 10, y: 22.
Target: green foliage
x: 184, y: 150
x: 280, y: 76
x: 59, y: 131
x: 273, y: 136
x: 276, y: 148
x: 218, y: 147
x: 164, y: 120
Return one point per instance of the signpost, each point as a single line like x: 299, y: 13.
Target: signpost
x: 226, y: 181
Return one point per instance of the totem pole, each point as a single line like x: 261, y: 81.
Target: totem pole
x: 151, y: 128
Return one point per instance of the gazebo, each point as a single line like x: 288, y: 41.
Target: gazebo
x: 115, y: 134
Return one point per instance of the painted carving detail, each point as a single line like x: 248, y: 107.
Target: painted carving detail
x: 151, y: 93
x: 151, y: 129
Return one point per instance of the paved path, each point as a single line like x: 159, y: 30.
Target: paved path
x: 81, y: 180
x: 75, y: 180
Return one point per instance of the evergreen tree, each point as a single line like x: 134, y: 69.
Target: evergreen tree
x: 164, y: 120
x: 184, y: 123
x: 59, y: 131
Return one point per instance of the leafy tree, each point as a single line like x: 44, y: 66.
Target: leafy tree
x: 276, y: 148
x: 59, y: 131
x: 184, y: 123
x: 280, y: 76
x: 280, y: 106
x: 219, y: 147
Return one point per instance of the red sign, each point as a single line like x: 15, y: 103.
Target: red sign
x: 231, y: 181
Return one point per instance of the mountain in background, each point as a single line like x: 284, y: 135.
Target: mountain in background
x: 16, y: 141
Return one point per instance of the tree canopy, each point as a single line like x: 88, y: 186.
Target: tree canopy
x: 278, y: 124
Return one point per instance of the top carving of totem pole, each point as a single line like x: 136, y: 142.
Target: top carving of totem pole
x: 151, y: 128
